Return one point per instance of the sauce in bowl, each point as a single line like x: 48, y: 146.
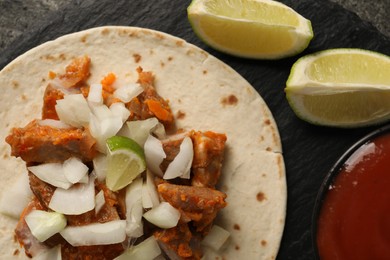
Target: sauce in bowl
x: 354, y: 215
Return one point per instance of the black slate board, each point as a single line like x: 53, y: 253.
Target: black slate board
x: 309, y: 151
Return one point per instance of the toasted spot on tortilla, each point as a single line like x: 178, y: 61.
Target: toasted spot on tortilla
x: 151, y: 52
x: 105, y: 31
x: 264, y: 175
x: 137, y: 57
x: 162, y: 64
x: 5, y: 155
x: 205, y: 72
x: 15, y: 84
x: 179, y: 43
x: 230, y: 100
x: 261, y: 196
x: 268, y: 149
x: 180, y: 114
x: 16, y: 252
x: 236, y: 227
x: 84, y: 39
x: 237, y: 247
x: 263, y: 242
x: 267, y: 122
x: 23, y: 97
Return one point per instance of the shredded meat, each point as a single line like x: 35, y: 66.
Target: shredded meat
x: 208, y: 155
x: 49, y: 102
x: 149, y: 104
x: 100, y: 252
x: 177, y: 242
x: 76, y: 73
x: 42, y: 190
x: 37, y: 143
x: 199, y: 204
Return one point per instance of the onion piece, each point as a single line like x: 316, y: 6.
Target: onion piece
x: 181, y: 165
x: 139, y: 130
x: 107, y: 233
x: 51, y: 173
x: 103, y: 124
x: 43, y: 224
x: 53, y: 253
x: 100, y: 166
x: 53, y: 123
x: 119, y: 109
x: 74, y: 169
x: 150, y: 196
x: 73, y: 110
x: 95, y: 94
x: 216, y: 237
x: 154, y: 154
x: 134, y: 210
x: 99, y: 201
x: 127, y: 92
x: 147, y: 249
x: 76, y: 200
x: 164, y: 215
x: 16, y: 197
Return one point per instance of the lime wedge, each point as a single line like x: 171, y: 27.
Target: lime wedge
x: 126, y: 160
x: 260, y: 29
x: 341, y: 88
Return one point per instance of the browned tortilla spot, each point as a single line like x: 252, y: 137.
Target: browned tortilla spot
x: 237, y: 247
x: 261, y: 196
x: 179, y: 43
x: 83, y: 39
x: 151, y: 52
x: 230, y: 100
x: 105, y: 31
x: 170, y: 58
x: 205, y: 72
x: 16, y: 252
x: 263, y: 242
x: 15, y: 84
x: 162, y: 64
x: 268, y: 149
x: 264, y: 175
x: 137, y: 57
x: 236, y: 227
x: 267, y: 122
x: 180, y: 114
x: 23, y: 97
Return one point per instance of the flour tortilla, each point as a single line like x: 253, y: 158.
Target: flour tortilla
x: 208, y: 94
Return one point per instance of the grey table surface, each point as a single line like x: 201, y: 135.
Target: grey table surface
x: 20, y: 16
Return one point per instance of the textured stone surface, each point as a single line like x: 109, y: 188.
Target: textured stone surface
x: 309, y: 151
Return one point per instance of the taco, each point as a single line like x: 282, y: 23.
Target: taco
x: 193, y: 95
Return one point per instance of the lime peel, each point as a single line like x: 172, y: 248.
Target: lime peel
x: 126, y: 161
x: 341, y: 88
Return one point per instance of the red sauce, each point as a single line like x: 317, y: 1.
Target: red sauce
x: 354, y: 221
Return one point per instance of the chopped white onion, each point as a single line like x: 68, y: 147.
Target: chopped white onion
x: 99, y: 201
x: 95, y: 94
x: 52, y: 173
x: 43, y: 224
x: 53, y: 253
x: 107, y: 233
x: 154, y: 154
x: 16, y: 197
x: 150, y: 196
x: 139, y: 130
x: 103, y: 124
x: 100, y: 166
x: 164, y: 215
x: 181, y: 165
x: 134, y: 210
x: 76, y: 200
x: 216, y: 237
x: 74, y: 170
x: 73, y: 110
x: 146, y: 250
x: 127, y: 92
x: 119, y: 109
x: 53, y: 123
